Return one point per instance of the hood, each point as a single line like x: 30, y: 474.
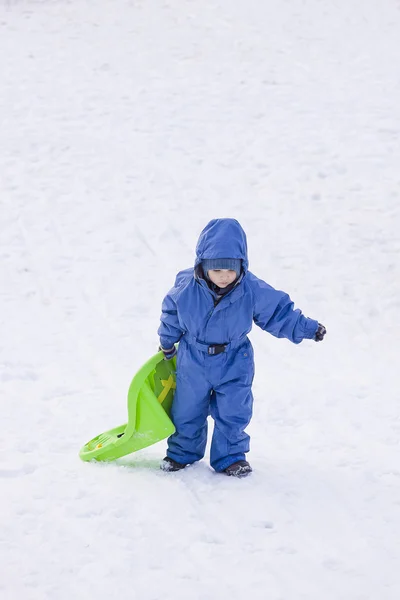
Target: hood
x: 222, y: 238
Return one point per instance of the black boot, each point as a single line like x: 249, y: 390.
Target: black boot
x: 169, y: 464
x: 241, y: 468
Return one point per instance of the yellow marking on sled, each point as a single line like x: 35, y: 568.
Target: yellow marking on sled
x: 168, y: 384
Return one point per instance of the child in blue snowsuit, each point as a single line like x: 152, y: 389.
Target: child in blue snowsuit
x: 209, y: 311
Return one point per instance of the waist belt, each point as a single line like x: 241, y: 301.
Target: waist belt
x: 214, y: 349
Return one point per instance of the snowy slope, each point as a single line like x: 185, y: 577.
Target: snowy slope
x: 124, y: 127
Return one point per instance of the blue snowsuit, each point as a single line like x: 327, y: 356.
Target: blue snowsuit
x: 220, y: 384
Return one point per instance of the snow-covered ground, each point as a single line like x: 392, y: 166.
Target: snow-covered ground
x: 124, y: 127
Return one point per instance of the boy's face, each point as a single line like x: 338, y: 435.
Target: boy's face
x: 222, y: 277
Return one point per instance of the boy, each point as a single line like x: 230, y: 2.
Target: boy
x: 210, y: 311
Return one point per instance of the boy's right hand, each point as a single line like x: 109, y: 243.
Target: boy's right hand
x: 168, y: 352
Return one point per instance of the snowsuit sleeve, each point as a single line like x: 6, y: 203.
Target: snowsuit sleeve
x: 274, y: 312
x: 170, y: 331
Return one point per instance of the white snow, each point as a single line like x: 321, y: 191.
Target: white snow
x: 124, y: 127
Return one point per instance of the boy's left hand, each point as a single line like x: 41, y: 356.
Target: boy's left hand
x: 320, y: 333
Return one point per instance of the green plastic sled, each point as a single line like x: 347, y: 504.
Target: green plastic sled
x: 149, y: 403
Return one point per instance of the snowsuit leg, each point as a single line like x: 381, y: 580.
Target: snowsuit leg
x: 190, y: 409
x: 231, y: 409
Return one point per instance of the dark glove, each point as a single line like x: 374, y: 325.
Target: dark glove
x: 168, y: 352
x: 320, y: 333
